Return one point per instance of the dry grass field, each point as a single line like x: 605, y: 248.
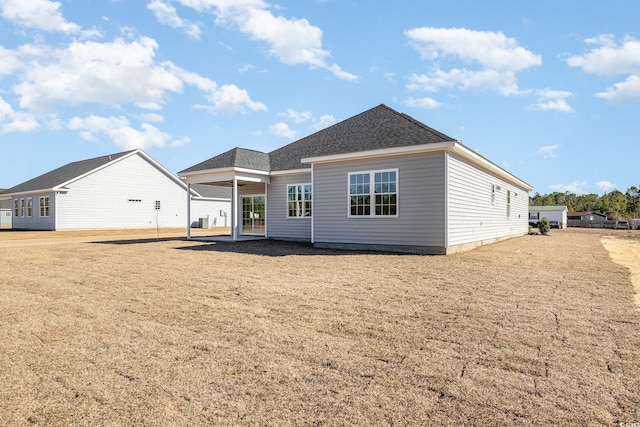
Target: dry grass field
x: 128, y: 329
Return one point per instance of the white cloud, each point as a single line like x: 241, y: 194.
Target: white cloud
x: 111, y: 74
x: 90, y: 72
x: 9, y: 61
x: 610, y: 59
x: 552, y: 100
x: 15, y: 121
x: 291, y: 41
x: 576, y: 187
x: 282, y: 129
x: 497, y: 58
x: 623, y: 93
x: 421, y: 103
x: 40, y: 14
x: 151, y: 117
x: 167, y: 15
x: 118, y: 129
x: 296, y: 116
x: 605, y: 185
x: 324, y: 122
x: 548, y: 151
x: 245, y: 68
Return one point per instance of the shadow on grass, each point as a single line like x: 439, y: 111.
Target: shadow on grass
x: 276, y: 248
x: 140, y: 241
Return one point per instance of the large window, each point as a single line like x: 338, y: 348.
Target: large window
x: 16, y: 208
x: 22, y: 208
x: 373, y: 193
x: 44, y: 206
x: 299, y: 201
x: 29, y: 207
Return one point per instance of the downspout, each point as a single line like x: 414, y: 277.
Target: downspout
x: 313, y: 204
x: 266, y: 219
x: 188, y: 211
x: 234, y: 210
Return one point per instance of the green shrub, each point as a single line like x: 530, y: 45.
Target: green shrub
x: 544, y: 226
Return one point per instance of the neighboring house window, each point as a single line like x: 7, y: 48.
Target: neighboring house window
x: 534, y: 215
x: 16, y: 208
x: 299, y: 201
x: 373, y: 193
x: 22, y: 205
x: 29, y: 207
x: 44, y: 206
x: 493, y: 194
x: 508, y: 203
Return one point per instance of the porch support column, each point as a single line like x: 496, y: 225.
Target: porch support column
x: 188, y: 211
x: 234, y: 211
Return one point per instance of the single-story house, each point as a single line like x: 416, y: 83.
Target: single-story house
x: 5, y: 212
x: 587, y: 216
x: 552, y: 213
x: 378, y: 180
x: 117, y: 191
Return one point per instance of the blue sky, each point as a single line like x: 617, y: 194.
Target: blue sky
x: 549, y: 90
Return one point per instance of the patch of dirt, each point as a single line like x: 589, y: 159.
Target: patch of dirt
x: 625, y: 250
x: 132, y: 329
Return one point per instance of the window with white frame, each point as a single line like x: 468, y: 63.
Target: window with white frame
x: 44, y: 206
x: 29, y: 207
x: 299, y: 199
x: 373, y: 193
x: 16, y: 208
x: 22, y: 208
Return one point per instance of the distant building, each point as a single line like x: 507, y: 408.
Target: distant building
x: 552, y: 213
x: 586, y: 216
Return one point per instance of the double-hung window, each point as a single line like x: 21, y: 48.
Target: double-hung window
x: 299, y: 200
x: 44, y: 206
x: 373, y: 193
x: 16, y: 207
x: 22, y: 208
x: 29, y: 207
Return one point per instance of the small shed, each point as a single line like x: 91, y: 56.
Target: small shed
x: 552, y: 213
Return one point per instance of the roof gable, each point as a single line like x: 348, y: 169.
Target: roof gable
x: 64, y: 174
x: 235, y: 158
x: 376, y: 128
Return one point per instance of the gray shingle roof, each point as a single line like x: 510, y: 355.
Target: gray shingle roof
x: 236, y: 157
x: 377, y: 128
x: 212, y: 191
x: 63, y: 174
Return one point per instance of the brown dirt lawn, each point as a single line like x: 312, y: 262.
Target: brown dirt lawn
x: 130, y: 329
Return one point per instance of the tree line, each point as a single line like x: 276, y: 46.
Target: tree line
x: 615, y: 204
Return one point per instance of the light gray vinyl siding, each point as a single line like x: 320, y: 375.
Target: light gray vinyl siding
x: 279, y: 226
x: 420, y: 220
x: 473, y: 218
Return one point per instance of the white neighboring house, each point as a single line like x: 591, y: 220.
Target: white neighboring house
x: 117, y: 191
x: 552, y: 213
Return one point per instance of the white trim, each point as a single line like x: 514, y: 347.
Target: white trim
x: 303, y: 200
x: 449, y: 146
x: 382, y: 152
x: 265, y: 210
x: 225, y: 169
x: 372, y: 193
x: 291, y: 171
x: 446, y: 200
